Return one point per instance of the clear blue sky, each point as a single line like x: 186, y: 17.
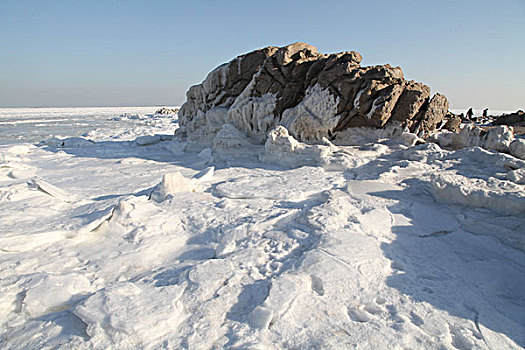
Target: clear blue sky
x: 133, y: 53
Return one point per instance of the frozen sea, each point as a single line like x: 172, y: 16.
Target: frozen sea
x: 115, y: 235
x: 22, y: 125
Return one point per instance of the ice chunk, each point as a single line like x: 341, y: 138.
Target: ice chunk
x: 51, y: 190
x: 206, y: 155
x: 204, y: 175
x: 172, y: 183
x: 362, y: 135
x: 50, y: 293
x: 69, y: 142
x: 142, y: 313
x: 148, y: 140
x: 283, y: 149
x: 517, y: 148
x: 501, y: 196
x: 498, y: 138
x: 260, y: 317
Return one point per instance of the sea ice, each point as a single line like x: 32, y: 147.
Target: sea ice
x: 368, y: 241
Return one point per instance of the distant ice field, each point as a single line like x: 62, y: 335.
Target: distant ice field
x: 21, y: 125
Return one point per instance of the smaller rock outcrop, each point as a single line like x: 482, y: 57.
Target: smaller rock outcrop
x: 166, y: 111
x: 453, y: 122
x: 516, y: 118
x: 429, y: 117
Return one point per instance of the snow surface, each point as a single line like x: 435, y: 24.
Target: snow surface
x: 115, y: 236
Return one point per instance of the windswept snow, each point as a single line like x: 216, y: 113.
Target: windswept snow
x: 119, y: 237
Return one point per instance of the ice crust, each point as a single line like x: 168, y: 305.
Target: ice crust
x: 245, y: 107
x: 371, y: 240
x: 497, y: 138
x: 314, y: 116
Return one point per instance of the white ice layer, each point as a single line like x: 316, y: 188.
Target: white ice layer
x: 253, y: 115
x: 498, y: 138
x: 314, y: 117
x: 371, y: 243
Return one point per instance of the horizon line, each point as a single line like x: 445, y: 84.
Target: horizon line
x: 515, y: 109
x: 92, y: 106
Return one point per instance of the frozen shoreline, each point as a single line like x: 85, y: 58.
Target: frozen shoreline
x: 409, y: 247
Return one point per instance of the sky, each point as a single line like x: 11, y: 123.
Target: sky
x: 145, y: 53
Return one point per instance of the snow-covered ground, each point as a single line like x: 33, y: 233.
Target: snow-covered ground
x: 117, y: 238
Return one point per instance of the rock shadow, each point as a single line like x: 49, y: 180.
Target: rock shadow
x: 437, y: 261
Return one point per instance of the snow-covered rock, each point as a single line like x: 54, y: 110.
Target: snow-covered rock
x: 313, y: 95
x: 517, y: 148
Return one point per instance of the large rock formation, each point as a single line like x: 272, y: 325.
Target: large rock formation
x: 313, y: 95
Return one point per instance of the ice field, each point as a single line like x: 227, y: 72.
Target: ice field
x: 114, y: 235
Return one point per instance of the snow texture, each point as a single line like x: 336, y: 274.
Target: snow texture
x: 370, y: 242
x: 497, y: 138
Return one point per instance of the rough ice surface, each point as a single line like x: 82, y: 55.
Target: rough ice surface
x: 314, y: 116
x: 360, y: 136
x: 68, y: 142
x: 372, y: 241
x: 253, y: 115
x: 229, y: 140
x: 498, y: 195
x: 497, y: 138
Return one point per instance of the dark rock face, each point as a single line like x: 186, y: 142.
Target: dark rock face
x: 313, y: 95
x: 166, y: 111
x: 222, y: 85
x: 428, y: 118
x: 516, y: 118
x: 453, y: 123
x: 410, y: 102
